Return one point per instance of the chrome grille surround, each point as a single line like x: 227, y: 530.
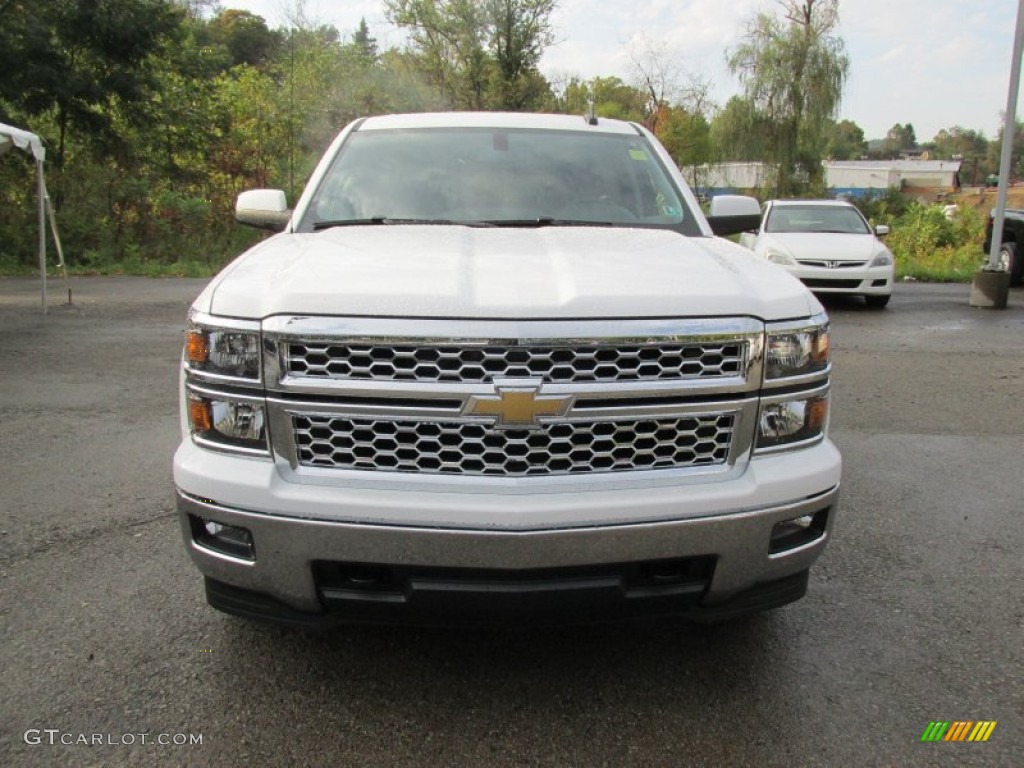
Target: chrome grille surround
x: 324, y: 428
x: 468, y: 448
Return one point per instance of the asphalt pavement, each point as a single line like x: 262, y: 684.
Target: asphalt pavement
x: 914, y: 614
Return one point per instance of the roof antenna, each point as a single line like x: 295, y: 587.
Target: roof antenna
x: 590, y: 117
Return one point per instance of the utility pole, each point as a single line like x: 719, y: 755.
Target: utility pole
x: 991, y: 286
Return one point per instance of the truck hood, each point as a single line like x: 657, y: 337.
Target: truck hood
x: 441, y: 271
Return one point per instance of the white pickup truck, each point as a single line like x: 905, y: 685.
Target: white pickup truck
x: 500, y: 367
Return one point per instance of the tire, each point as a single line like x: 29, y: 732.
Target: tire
x: 1011, y: 261
x: 877, y: 301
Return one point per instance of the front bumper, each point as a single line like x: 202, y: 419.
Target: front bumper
x: 861, y: 281
x: 716, y: 564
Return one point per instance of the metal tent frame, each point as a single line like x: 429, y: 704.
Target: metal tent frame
x: 10, y: 138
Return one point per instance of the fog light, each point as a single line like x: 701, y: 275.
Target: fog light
x: 790, y: 534
x: 226, y: 539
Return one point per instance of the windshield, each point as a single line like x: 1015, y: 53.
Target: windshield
x: 502, y: 177
x: 816, y: 218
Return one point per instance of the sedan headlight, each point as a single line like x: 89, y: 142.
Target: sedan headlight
x: 782, y: 258
x: 883, y: 259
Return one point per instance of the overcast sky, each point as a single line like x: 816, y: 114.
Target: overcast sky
x: 932, y: 63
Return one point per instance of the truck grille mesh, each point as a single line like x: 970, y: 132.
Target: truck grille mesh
x: 549, y: 363
x: 466, y: 448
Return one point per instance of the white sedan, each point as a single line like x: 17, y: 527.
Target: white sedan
x: 827, y: 244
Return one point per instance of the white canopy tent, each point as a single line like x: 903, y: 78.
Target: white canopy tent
x: 11, y: 137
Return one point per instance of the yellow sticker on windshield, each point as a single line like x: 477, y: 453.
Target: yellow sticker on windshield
x: 638, y: 154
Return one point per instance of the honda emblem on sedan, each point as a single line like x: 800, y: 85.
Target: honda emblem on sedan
x: 517, y: 405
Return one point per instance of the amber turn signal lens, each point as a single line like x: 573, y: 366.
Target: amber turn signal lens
x: 817, y: 414
x: 197, y: 347
x: 822, y: 348
x: 201, y: 415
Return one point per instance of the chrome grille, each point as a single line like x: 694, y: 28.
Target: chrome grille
x: 467, y: 448
x: 483, y: 363
x: 831, y: 264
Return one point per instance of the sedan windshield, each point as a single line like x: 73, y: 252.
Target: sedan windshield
x: 497, y: 177
x: 816, y: 218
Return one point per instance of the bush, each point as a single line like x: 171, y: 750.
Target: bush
x: 929, y: 246
x: 883, y: 208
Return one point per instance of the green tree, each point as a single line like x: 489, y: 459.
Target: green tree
x: 968, y: 146
x: 520, y: 31
x: 478, y: 54
x: 995, y: 151
x: 448, y: 40
x: 793, y: 71
x: 846, y: 141
x: 81, y: 62
x: 740, y: 132
x: 612, y: 98
x: 687, y: 137
x: 365, y: 45
x: 958, y: 142
x: 245, y: 36
x: 898, y: 139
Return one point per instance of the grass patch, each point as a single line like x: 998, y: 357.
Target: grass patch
x: 941, y: 265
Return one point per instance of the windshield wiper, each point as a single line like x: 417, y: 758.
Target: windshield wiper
x: 388, y: 221
x: 547, y: 221
x: 318, y: 225
x: 540, y: 221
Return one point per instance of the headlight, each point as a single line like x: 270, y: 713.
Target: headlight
x: 884, y: 259
x: 797, y: 352
x: 792, y: 421
x: 223, y: 395
x: 780, y: 257
x: 223, y: 351
x: 227, y: 422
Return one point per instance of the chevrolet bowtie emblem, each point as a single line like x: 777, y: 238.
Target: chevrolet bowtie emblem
x: 517, y: 405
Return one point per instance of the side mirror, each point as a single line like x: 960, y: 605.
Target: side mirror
x: 264, y: 209
x: 730, y: 214
x: 882, y: 230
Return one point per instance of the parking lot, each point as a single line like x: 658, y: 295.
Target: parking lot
x: 914, y: 614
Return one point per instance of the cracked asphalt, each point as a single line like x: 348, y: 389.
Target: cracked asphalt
x: 914, y: 614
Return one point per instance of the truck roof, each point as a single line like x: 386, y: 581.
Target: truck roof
x: 496, y: 120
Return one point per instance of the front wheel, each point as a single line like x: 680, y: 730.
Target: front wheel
x: 1010, y: 260
x: 877, y: 301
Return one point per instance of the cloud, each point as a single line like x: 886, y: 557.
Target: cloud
x: 892, y: 55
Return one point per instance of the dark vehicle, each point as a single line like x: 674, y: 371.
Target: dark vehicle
x: 1010, y: 257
